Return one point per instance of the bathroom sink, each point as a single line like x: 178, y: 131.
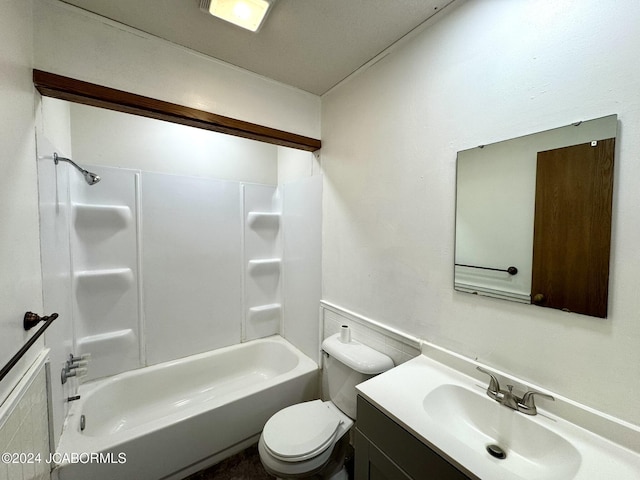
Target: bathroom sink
x: 448, y: 410
x: 510, y: 439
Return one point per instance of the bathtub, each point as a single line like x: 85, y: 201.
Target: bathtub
x: 170, y: 420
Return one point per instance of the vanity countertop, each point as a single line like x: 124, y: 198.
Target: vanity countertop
x: 450, y: 412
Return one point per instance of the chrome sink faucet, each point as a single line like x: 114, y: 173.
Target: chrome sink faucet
x: 524, y: 404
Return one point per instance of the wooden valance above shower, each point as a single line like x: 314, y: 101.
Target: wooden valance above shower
x: 78, y: 91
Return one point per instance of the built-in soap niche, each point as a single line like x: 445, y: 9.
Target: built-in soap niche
x: 98, y: 291
x: 264, y: 220
x: 109, y: 280
x: 265, y: 266
x: 263, y: 318
x: 95, y: 222
x: 265, y: 224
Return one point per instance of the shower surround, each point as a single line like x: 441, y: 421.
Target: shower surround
x: 165, y: 266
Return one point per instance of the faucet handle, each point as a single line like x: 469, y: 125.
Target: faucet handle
x: 493, y: 390
x: 528, y: 405
x: 85, y: 357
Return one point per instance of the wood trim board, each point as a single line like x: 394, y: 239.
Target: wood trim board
x: 78, y: 91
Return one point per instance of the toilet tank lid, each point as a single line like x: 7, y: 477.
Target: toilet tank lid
x: 357, y: 356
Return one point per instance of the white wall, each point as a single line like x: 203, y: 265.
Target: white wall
x: 71, y: 42
x: 115, y: 139
x: 20, y: 282
x: 296, y: 164
x: 479, y: 73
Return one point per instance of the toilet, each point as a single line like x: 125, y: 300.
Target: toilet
x: 309, y: 439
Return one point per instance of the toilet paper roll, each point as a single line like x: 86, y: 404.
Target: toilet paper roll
x: 345, y: 334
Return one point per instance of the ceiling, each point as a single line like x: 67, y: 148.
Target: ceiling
x: 309, y: 44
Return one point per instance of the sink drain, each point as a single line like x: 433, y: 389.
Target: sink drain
x: 496, y: 451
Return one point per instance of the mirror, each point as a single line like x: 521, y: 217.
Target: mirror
x: 533, y: 217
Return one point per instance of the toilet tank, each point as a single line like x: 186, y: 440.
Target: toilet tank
x: 346, y: 364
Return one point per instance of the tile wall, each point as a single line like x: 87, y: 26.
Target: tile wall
x: 398, y: 345
x: 24, y: 429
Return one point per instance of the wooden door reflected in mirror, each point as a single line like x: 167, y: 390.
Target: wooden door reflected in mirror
x: 572, y: 225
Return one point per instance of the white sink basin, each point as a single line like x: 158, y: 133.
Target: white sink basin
x: 450, y: 412
x: 478, y: 422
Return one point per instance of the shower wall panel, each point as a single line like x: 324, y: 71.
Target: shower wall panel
x: 104, y: 264
x: 191, y: 254
x: 302, y: 285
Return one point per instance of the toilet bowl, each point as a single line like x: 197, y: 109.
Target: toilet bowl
x: 304, y: 439
x: 310, y: 439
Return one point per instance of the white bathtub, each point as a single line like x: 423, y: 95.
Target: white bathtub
x: 173, y: 419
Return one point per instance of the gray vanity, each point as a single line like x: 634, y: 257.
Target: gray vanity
x: 386, y: 451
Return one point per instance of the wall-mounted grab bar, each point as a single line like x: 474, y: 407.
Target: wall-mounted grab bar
x: 29, y: 322
x: 509, y: 270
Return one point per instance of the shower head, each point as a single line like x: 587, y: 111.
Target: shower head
x: 90, y: 178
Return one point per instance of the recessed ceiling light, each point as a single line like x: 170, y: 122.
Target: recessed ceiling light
x: 249, y: 14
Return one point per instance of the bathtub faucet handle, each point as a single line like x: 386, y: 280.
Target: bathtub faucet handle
x: 68, y: 372
x: 85, y: 357
x: 73, y: 366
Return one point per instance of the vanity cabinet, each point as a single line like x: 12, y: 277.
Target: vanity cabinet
x: 386, y: 451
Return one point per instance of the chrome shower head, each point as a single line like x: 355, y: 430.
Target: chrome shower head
x: 90, y: 178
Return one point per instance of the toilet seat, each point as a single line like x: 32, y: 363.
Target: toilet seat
x: 301, y: 431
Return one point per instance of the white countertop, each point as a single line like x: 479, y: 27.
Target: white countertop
x: 401, y: 391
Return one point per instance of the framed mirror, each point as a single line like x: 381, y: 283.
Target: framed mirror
x: 533, y: 217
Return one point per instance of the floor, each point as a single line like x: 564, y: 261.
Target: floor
x: 246, y: 466
x: 242, y: 466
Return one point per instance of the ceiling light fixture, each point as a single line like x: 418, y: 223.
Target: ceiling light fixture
x: 249, y: 14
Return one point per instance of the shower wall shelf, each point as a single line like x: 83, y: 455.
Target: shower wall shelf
x: 103, y: 217
x: 262, y: 219
x: 106, y: 280
x: 265, y: 312
x: 265, y: 265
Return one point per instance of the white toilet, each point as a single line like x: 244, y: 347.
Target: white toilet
x: 308, y: 440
